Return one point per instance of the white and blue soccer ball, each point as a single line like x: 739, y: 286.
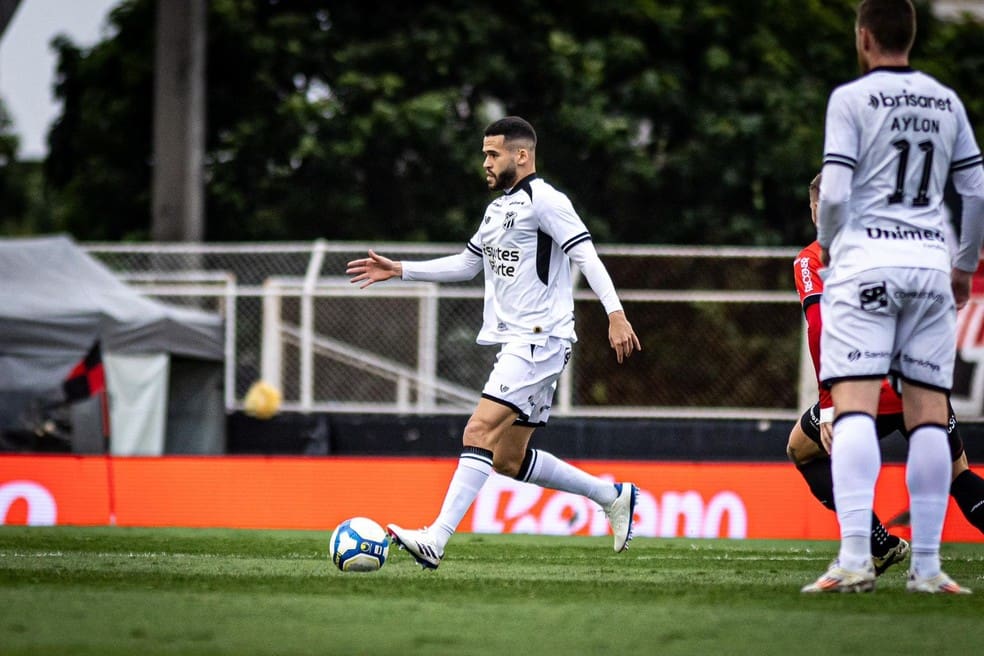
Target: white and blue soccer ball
x: 358, y: 545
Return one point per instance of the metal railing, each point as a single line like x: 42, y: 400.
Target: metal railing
x: 721, y: 329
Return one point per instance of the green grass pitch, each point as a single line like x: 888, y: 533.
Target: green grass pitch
x: 182, y: 591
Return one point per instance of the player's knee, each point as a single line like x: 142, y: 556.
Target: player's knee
x: 791, y: 452
x: 960, y: 465
x: 477, y: 433
x: 800, y: 449
x: 506, y: 466
x: 798, y: 455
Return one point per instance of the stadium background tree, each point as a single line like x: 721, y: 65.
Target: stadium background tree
x: 675, y: 122
x: 12, y: 188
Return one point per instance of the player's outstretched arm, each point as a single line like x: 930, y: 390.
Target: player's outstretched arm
x: 621, y: 336
x: 374, y: 268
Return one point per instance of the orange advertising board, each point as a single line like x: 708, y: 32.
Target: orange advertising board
x: 738, y: 500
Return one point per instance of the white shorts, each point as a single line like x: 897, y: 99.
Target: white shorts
x: 893, y: 319
x: 525, y: 376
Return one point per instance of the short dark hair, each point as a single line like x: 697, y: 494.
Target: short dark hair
x: 815, y: 188
x: 891, y: 22
x: 512, y: 128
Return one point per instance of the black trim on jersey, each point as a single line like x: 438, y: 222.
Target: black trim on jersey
x: 967, y: 163
x: 836, y: 163
x: 473, y: 248
x: 891, y: 69
x: 523, y: 184
x: 810, y: 301
x: 837, y: 158
x: 575, y: 240
x: 514, y: 408
x: 829, y: 382
x: 544, y: 245
x: 529, y: 424
x: 919, y: 383
x: 847, y: 158
x: 965, y: 160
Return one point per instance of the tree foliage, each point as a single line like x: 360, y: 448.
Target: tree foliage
x: 13, y: 194
x: 687, y: 121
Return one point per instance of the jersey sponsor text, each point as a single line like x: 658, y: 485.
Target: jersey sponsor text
x: 910, y: 100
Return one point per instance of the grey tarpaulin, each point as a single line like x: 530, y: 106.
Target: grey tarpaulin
x: 56, y: 300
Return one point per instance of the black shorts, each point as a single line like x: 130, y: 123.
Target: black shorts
x: 885, y: 425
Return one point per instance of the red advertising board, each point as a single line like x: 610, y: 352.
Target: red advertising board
x: 764, y: 500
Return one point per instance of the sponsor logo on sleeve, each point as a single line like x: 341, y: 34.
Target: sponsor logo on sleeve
x: 805, y: 275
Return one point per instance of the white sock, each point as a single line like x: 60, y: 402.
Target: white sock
x: 855, y: 463
x: 927, y: 476
x: 474, y: 467
x: 547, y: 470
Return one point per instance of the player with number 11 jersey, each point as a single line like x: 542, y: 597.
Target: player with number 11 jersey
x: 891, y: 293
x: 892, y: 138
x: 901, y: 133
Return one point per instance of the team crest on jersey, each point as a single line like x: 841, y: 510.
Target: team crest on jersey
x: 509, y: 221
x: 487, y: 218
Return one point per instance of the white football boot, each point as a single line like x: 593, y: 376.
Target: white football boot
x: 419, y: 544
x: 838, y: 579
x: 939, y: 584
x: 621, y: 514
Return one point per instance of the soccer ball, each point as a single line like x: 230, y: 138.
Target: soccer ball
x: 358, y: 545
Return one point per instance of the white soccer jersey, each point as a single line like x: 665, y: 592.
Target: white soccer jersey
x: 523, y: 241
x: 901, y: 133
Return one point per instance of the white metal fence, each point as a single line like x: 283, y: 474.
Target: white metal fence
x: 721, y: 329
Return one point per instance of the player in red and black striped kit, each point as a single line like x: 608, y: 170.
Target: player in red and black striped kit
x: 809, y: 440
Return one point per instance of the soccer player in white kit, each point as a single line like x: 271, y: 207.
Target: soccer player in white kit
x: 889, y: 305
x: 524, y: 245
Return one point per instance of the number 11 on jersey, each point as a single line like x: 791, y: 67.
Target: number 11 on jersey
x: 921, y: 199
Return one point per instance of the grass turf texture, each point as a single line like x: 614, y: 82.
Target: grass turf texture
x: 179, y: 591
